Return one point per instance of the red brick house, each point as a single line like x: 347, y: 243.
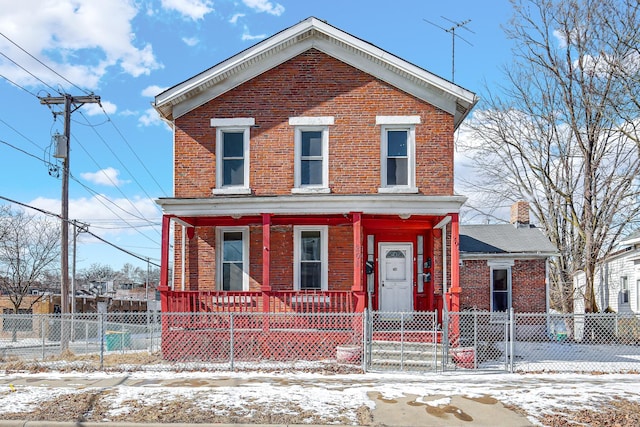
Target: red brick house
x: 505, y: 266
x: 313, y: 171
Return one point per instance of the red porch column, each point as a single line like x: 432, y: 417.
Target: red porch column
x: 164, y: 265
x: 358, y: 288
x: 266, y: 261
x: 164, y: 251
x: 455, y: 263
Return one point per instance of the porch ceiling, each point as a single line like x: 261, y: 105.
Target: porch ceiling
x: 404, y: 205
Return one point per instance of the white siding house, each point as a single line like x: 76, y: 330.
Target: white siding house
x: 617, y: 281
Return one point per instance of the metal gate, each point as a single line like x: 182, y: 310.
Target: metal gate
x: 417, y: 341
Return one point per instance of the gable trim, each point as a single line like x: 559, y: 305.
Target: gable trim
x: 314, y: 34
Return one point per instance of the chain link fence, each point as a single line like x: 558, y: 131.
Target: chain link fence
x: 373, y: 341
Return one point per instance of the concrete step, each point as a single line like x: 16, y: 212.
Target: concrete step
x: 407, y: 355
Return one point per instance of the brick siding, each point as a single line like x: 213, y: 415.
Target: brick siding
x: 528, y: 294
x: 313, y: 84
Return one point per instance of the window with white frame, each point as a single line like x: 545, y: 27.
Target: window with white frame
x: 624, y: 290
x: 397, y: 153
x: 233, y: 255
x: 311, y: 258
x: 500, y: 286
x: 232, y: 155
x: 311, y: 153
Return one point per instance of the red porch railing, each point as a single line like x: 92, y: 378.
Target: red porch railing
x: 257, y: 301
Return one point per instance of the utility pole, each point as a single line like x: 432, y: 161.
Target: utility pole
x: 69, y: 102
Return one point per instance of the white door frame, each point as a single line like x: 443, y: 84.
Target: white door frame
x: 395, y: 295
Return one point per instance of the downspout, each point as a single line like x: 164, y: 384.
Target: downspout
x: 546, y: 281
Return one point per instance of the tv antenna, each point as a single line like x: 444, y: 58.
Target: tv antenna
x: 452, y: 30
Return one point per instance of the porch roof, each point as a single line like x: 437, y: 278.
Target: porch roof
x: 403, y: 205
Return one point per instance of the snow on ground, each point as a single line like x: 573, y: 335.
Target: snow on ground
x: 339, y: 394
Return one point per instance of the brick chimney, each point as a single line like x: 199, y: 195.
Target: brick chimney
x: 520, y: 213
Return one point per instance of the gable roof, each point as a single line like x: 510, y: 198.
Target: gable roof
x: 478, y: 241
x: 313, y: 33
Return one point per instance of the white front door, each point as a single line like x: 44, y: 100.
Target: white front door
x: 396, y: 277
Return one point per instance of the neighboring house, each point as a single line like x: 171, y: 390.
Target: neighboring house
x: 313, y: 171
x: 617, y: 280
x: 505, y: 266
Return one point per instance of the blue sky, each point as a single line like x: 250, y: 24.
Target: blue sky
x: 128, y: 51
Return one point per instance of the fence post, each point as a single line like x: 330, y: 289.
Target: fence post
x: 475, y: 339
x: 445, y: 338
x: 402, y: 341
x: 231, y: 343
x: 434, y: 328
x: 512, y: 338
x: 101, y: 330
x: 365, y: 339
x: 42, y: 332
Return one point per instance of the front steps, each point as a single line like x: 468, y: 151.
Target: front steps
x: 406, y: 356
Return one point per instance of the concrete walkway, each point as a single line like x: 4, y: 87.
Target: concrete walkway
x: 408, y: 410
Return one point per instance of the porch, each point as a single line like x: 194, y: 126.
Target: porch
x: 310, y: 254
x: 269, y: 301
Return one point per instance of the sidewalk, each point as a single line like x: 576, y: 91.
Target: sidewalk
x: 325, y: 393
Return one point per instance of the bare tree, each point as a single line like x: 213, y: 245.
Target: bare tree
x: 559, y: 132
x: 29, y: 249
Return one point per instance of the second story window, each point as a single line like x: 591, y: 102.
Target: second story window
x: 397, y: 153
x: 396, y: 145
x: 232, y: 155
x: 232, y: 158
x: 311, y: 154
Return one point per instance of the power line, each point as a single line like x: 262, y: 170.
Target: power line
x: 17, y: 85
x: 134, y: 153
x: 46, y: 212
x: 20, y: 133
x: 46, y: 66
x: 119, y: 161
x: 26, y: 152
x: 99, y: 197
x: 31, y: 74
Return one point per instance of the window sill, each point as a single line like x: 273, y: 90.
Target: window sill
x: 398, y: 190
x: 231, y: 191
x: 311, y: 190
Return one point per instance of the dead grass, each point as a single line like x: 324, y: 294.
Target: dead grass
x: 616, y: 413
x: 95, y: 407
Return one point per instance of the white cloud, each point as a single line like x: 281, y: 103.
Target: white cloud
x: 193, y: 9
x: 265, y: 6
x: 152, y: 91
x: 234, y: 18
x: 109, y: 216
x: 150, y: 118
x: 191, y: 41
x: 74, y: 38
x: 108, y: 177
x: 246, y: 36
x: 96, y: 109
